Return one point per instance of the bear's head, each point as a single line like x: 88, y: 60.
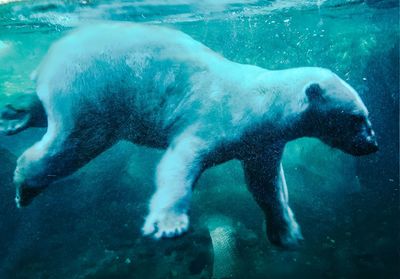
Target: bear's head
x: 338, y: 117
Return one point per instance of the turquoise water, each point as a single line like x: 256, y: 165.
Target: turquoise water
x: 88, y: 225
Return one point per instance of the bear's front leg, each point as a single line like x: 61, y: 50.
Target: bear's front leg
x: 266, y: 181
x: 176, y: 173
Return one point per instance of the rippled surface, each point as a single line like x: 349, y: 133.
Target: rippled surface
x: 87, y: 226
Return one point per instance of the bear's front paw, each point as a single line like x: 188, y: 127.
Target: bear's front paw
x: 166, y: 224
x: 25, y: 196
x: 287, y: 235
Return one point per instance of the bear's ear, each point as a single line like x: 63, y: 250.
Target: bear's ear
x: 314, y: 92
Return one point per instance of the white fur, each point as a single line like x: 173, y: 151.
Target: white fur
x: 160, y: 88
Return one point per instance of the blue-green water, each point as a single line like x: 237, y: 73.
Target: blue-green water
x: 88, y: 225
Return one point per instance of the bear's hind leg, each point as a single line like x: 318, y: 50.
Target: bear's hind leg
x: 55, y: 156
x: 177, y: 171
x: 266, y: 181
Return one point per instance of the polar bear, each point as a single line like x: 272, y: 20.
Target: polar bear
x: 160, y: 88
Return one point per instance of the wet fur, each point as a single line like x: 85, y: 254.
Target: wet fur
x: 160, y: 88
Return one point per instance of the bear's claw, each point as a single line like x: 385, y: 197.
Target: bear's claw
x: 166, y: 225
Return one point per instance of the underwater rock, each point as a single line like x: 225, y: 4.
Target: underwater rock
x: 9, y: 219
x: 199, y: 263
x: 223, y: 239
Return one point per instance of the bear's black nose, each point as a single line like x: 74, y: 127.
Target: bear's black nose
x: 364, y: 146
x: 374, y: 146
x: 370, y: 146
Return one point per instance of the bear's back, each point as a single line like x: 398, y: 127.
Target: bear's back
x: 116, y: 40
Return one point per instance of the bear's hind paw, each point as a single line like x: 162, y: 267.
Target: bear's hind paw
x: 287, y: 237
x: 166, y: 225
x: 12, y: 120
